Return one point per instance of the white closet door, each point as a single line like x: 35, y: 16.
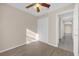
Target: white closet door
x: 43, y: 29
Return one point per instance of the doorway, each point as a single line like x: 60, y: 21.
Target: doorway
x: 66, y: 31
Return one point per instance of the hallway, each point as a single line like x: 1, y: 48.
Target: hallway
x: 66, y: 43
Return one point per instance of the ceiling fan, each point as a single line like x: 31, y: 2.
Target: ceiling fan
x: 38, y: 5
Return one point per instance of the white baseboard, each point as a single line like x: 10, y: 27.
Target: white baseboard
x: 24, y: 44
x: 49, y: 43
x: 11, y: 48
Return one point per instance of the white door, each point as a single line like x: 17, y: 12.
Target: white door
x: 75, y: 30
x: 43, y: 29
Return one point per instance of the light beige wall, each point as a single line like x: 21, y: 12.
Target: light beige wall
x: 52, y: 23
x: 13, y: 25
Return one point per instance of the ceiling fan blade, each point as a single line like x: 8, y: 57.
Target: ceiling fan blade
x: 45, y: 5
x: 38, y: 9
x: 30, y: 5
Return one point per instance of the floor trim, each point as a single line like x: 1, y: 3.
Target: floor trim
x: 11, y: 48
x: 49, y: 43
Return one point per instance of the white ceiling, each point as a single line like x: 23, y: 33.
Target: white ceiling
x: 67, y: 16
x: 32, y: 10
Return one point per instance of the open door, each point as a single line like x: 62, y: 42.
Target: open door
x: 75, y: 29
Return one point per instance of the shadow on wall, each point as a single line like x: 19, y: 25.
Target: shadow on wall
x: 31, y: 36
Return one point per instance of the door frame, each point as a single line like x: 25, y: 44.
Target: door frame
x: 75, y: 28
x: 57, y: 24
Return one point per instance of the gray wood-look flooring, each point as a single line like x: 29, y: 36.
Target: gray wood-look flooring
x: 66, y: 42
x: 37, y: 49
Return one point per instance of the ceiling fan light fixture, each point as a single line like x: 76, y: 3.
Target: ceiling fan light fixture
x: 37, y: 5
